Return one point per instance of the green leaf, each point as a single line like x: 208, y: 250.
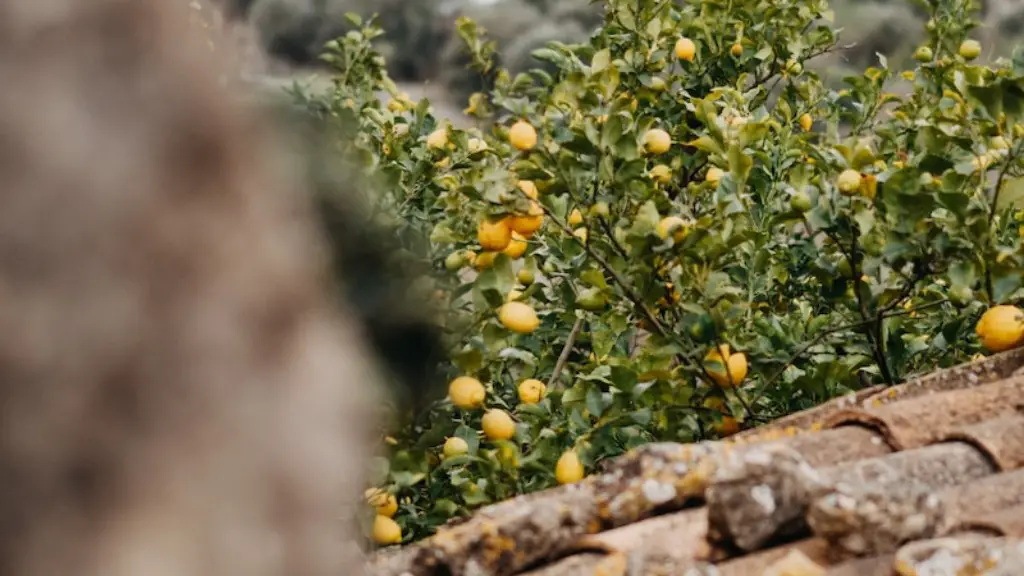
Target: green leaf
x: 518, y: 354
x: 594, y: 277
x: 989, y: 97
x: 1011, y: 194
x: 647, y: 218
x: 576, y: 394
x: 706, y: 144
x: 739, y: 163
x: 595, y: 401
x: 443, y: 234
x: 611, y: 132
x: 865, y: 221
x: 601, y: 60
x: 407, y: 479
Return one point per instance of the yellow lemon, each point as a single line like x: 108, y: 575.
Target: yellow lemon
x: 513, y: 295
x: 714, y: 175
x: 580, y: 234
x: 869, y: 186
x: 529, y: 224
x: 736, y: 50
x: 685, y: 49
x: 661, y: 174
x: 518, y: 317
x: 522, y: 135
x: 575, y: 217
x: 438, y: 139
x: 455, y: 446
x: 727, y: 426
x: 806, y: 122
x: 849, y: 182
x: 970, y: 49
x: 657, y: 141
x: 673, y: 225
x: 485, y: 260
x: 498, y: 425
x: 528, y: 188
x: 384, y: 502
x: 517, y: 247
x: 569, y: 469
x: 531, y: 391
x: 721, y: 365
x: 386, y: 531
x: 793, y: 67
x: 476, y: 145
x: 466, y: 393
x: 998, y: 143
x: 494, y: 235
x: 1001, y: 328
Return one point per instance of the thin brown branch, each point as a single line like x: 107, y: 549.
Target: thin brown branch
x: 564, y: 356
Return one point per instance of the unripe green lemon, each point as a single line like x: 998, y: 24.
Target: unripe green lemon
x: 970, y: 49
x: 800, y: 202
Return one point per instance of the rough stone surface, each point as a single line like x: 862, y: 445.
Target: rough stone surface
x: 960, y: 556
x: 870, y: 519
x: 653, y: 478
x: 758, y: 494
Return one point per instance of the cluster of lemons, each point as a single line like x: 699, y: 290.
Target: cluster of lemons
x: 657, y: 141
x: 507, y: 235
x: 468, y: 393
x: 385, y: 530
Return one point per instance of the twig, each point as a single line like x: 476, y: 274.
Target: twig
x: 999, y: 183
x: 611, y: 237
x: 618, y: 279
x: 854, y: 326
x: 564, y: 356
x: 992, y: 215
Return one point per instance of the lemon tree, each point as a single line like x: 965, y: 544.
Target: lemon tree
x: 676, y: 230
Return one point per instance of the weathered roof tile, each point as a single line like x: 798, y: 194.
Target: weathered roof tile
x: 940, y: 457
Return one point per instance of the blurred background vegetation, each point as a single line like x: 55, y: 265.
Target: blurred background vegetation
x: 421, y: 45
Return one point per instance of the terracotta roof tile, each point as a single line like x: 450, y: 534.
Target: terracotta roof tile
x: 924, y: 476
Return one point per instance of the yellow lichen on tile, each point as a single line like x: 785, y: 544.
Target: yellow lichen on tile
x: 495, y: 547
x: 795, y: 563
x: 445, y: 540
x: 903, y: 568
x: 488, y: 528
x: 614, y: 564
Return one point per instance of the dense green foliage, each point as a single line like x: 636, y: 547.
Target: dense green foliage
x: 859, y: 250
